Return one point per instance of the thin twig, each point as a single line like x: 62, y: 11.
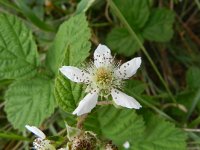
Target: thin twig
x: 104, y: 103
x: 81, y: 119
x: 192, y: 130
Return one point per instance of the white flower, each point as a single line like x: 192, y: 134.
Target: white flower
x: 103, y: 77
x: 40, y: 143
x: 126, y: 145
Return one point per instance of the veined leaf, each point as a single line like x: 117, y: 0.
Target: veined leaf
x: 159, y: 26
x: 160, y: 134
x: 137, y: 14
x: 18, y: 51
x: 118, y: 125
x: 136, y: 86
x: 67, y: 94
x: 74, y: 34
x: 71, y: 48
x: 29, y: 101
x: 121, y: 41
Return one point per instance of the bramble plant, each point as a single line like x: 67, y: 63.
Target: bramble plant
x: 99, y: 75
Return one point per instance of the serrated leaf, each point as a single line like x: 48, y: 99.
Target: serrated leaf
x: 67, y: 94
x: 160, y: 135
x: 121, y: 42
x: 159, y: 26
x: 18, y: 51
x: 83, y: 6
x: 118, y: 125
x: 29, y: 101
x: 137, y: 14
x: 136, y: 86
x: 192, y: 77
x: 74, y: 34
x: 73, y: 41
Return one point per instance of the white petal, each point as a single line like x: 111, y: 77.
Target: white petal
x: 87, y: 104
x: 126, y: 145
x: 36, y: 131
x: 102, y: 56
x: 124, y: 100
x: 129, y: 68
x: 75, y: 74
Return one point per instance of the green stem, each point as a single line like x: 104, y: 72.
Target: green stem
x: 52, y: 129
x: 123, y: 20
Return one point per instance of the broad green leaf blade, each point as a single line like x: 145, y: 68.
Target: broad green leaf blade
x: 136, y: 12
x: 159, y: 26
x: 118, y: 125
x: 83, y: 6
x: 135, y: 86
x: 135, y: 89
x: 71, y: 48
x: 193, y: 83
x: 12, y: 136
x: 18, y: 51
x: 67, y: 94
x: 73, y: 34
x: 192, y: 78
x: 121, y: 42
x: 29, y: 101
x: 160, y: 135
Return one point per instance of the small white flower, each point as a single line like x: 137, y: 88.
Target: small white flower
x: 63, y: 148
x: 126, y: 145
x: 40, y: 143
x: 103, y: 77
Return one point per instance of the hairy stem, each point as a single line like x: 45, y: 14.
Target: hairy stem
x: 104, y: 103
x: 81, y: 120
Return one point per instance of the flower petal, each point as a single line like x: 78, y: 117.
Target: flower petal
x: 75, y: 74
x: 87, y: 104
x: 129, y: 68
x: 102, y: 56
x: 126, y: 145
x: 124, y: 100
x: 36, y: 131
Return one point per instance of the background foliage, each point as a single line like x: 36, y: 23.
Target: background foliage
x: 39, y: 36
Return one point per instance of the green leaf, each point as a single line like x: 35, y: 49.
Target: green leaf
x: 72, y: 41
x: 13, y: 136
x: 75, y: 34
x: 83, y: 6
x: 159, y: 26
x: 118, y: 125
x: 67, y: 93
x: 121, y: 42
x: 18, y: 51
x: 160, y: 135
x: 29, y: 101
x: 136, y: 86
x: 136, y: 12
x: 192, y: 77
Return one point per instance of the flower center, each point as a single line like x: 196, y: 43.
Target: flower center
x: 103, y: 78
